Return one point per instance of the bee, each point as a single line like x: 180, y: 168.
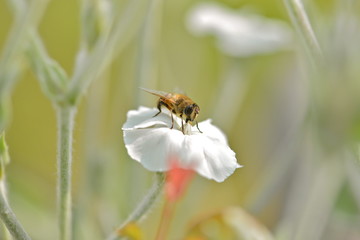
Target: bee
x: 180, y: 105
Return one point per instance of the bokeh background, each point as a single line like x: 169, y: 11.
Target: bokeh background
x: 294, y: 126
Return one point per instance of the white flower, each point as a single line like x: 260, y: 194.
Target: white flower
x: 150, y: 141
x: 239, y: 34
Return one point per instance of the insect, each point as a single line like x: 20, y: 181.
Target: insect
x: 178, y: 104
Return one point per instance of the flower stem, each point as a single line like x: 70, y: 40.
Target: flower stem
x: 9, y: 219
x: 5, y: 232
x: 66, y: 116
x: 302, y: 24
x: 144, y: 206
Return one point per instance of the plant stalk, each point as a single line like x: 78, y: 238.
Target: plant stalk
x: 66, y: 115
x: 144, y: 206
x: 9, y: 219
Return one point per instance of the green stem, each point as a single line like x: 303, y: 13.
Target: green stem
x: 66, y: 116
x: 5, y: 232
x: 9, y: 219
x: 302, y: 24
x: 144, y: 206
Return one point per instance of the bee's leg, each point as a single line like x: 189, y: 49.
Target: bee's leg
x: 198, y: 127
x: 172, y: 121
x: 182, y: 126
x: 158, y: 107
x: 187, y: 120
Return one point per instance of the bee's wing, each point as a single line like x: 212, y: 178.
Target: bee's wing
x: 157, y: 93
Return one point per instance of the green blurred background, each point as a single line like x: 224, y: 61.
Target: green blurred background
x: 270, y: 133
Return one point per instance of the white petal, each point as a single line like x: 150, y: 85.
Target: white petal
x: 152, y: 147
x: 239, y: 34
x: 210, y: 131
x: 209, y: 158
x: 150, y: 141
x: 144, y: 118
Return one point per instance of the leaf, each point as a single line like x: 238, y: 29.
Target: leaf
x: 4, y: 155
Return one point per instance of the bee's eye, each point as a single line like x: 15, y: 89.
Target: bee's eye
x: 188, y: 110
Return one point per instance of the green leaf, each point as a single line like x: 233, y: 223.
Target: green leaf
x: 4, y: 155
x: 52, y: 77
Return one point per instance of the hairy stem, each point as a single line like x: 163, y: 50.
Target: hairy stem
x: 5, y: 232
x: 66, y: 116
x: 9, y: 219
x: 144, y: 206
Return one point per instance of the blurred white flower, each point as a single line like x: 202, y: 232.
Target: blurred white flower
x: 239, y: 34
x: 150, y: 141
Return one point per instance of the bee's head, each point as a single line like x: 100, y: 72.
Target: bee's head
x: 191, y: 112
